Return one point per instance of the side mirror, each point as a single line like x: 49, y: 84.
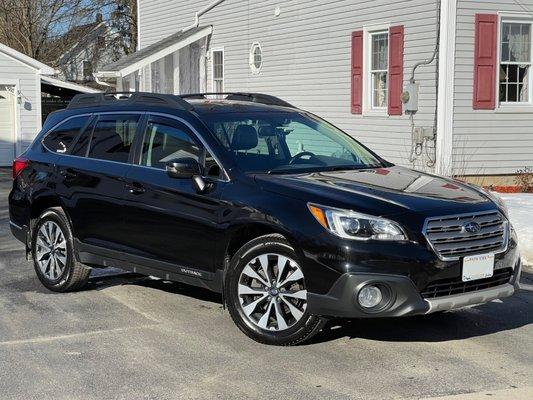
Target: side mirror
x: 183, y: 168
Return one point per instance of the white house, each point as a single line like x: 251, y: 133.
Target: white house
x: 349, y: 61
x: 24, y: 84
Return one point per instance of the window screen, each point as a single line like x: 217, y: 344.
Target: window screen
x: 112, y: 138
x: 165, y: 142
x: 60, y: 139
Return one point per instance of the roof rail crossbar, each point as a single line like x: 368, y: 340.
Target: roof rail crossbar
x: 242, y: 96
x: 100, y: 99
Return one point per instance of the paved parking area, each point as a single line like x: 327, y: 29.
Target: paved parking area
x: 132, y: 337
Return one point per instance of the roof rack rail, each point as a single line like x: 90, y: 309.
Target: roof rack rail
x: 242, y: 96
x: 100, y: 99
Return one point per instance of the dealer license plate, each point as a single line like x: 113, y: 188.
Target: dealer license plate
x: 478, y: 267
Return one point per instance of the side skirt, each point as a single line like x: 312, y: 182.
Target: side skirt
x: 99, y: 257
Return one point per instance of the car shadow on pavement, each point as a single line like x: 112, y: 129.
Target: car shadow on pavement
x: 104, y: 278
x: 485, y: 319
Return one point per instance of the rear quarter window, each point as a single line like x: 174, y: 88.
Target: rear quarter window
x: 61, y: 137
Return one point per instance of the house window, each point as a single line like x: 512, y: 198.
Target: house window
x: 87, y: 70
x: 256, y: 58
x: 515, y: 62
x: 379, y: 69
x: 218, y: 71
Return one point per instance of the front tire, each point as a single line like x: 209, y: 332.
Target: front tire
x: 266, y: 293
x: 53, y: 253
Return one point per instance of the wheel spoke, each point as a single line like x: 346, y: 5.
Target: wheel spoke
x: 243, y: 289
x: 296, y: 313
x: 263, y: 261
x: 52, y: 269
x: 250, y: 308
x: 249, y: 271
x: 62, y: 258
x: 295, y: 276
x: 282, y: 262
x: 263, y: 322
x: 282, y: 324
x: 298, y: 294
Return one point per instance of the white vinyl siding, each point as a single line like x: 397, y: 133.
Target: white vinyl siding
x: 309, y: 64
x: 487, y: 142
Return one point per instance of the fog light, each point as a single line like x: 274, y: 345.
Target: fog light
x: 369, y: 296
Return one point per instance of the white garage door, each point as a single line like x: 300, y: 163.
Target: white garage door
x: 7, y: 125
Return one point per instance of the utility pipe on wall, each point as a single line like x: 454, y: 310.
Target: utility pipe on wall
x: 201, y: 12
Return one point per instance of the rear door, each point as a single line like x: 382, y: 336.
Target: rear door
x: 166, y: 220
x: 92, y: 179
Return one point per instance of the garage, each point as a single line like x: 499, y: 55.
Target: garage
x: 25, y: 84
x: 7, y: 124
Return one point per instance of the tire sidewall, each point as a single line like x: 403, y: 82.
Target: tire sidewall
x: 247, y: 253
x: 63, y: 280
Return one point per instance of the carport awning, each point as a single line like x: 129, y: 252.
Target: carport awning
x: 59, y: 87
x: 135, y: 61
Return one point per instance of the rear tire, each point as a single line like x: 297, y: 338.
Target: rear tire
x: 53, y: 253
x: 266, y: 294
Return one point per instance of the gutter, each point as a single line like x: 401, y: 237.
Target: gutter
x: 201, y: 12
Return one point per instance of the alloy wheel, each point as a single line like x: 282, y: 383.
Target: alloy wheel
x: 272, y: 292
x: 51, y: 250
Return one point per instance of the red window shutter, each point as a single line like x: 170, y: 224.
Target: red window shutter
x: 357, y: 72
x: 484, y: 96
x: 395, y: 70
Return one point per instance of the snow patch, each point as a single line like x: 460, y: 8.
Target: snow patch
x: 520, y: 207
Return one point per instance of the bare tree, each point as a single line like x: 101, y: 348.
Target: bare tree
x: 33, y: 26
x: 123, y: 20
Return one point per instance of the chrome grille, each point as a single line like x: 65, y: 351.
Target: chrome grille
x: 449, y: 239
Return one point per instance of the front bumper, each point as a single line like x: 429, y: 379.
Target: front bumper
x: 405, y: 298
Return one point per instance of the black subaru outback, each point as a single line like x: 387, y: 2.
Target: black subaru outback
x: 291, y: 219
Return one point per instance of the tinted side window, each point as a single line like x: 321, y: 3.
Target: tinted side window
x: 60, y: 139
x: 164, y: 142
x: 112, y: 138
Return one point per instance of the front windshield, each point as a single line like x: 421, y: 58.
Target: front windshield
x: 286, y: 142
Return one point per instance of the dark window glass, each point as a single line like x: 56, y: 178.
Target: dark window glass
x: 112, y: 138
x: 60, y: 139
x: 163, y: 143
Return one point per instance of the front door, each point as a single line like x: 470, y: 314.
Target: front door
x: 165, y: 219
x: 7, y: 125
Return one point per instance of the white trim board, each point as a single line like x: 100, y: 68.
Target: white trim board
x: 445, y: 108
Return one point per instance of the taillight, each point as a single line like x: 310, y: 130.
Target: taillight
x: 19, y: 164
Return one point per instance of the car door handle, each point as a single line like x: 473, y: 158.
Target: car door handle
x: 67, y: 173
x: 135, y: 188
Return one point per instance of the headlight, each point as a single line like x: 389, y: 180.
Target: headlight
x: 352, y: 225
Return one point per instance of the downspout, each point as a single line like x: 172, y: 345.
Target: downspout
x: 201, y: 12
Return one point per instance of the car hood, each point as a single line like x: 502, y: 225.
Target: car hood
x: 380, y: 191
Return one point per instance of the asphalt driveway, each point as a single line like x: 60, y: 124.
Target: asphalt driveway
x: 132, y: 337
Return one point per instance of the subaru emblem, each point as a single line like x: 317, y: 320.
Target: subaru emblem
x: 472, y: 227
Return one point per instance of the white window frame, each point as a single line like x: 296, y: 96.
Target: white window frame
x: 368, y: 32
x: 251, y: 61
x: 219, y: 50
x: 513, y: 105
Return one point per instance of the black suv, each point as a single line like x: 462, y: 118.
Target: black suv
x: 291, y: 219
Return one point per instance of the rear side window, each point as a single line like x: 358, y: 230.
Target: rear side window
x: 112, y: 138
x: 60, y: 139
x: 164, y: 142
